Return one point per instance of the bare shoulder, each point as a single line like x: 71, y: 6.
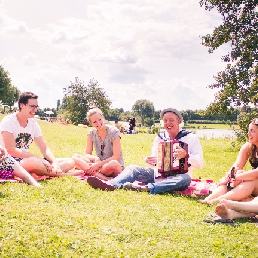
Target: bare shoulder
x: 246, y: 147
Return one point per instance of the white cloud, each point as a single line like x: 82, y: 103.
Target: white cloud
x: 29, y: 59
x: 135, y: 49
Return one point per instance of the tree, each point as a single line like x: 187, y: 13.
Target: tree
x: 78, y: 98
x: 9, y: 94
x: 114, y: 114
x: 238, y: 83
x: 144, y: 109
x: 5, y: 82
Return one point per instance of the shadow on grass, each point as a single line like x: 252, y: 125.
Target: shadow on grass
x: 2, y: 195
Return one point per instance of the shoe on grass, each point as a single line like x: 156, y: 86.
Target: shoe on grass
x: 135, y: 187
x: 97, y: 183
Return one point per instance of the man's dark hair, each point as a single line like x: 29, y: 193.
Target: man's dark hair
x: 24, y: 98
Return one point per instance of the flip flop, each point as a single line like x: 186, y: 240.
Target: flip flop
x: 254, y: 220
x: 214, y: 219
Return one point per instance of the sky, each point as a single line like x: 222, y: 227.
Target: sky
x: 135, y: 49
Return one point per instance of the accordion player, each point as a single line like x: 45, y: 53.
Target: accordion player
x: 167, y: 163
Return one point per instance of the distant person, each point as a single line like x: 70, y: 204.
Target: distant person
x: 19, y: 130
x: 105, y: 139
x: 133, y: 123
x: 245, y: 183
x: 117, y: 125
x: 130, y: 127
x: 147, y: 175
x: 9, y: 168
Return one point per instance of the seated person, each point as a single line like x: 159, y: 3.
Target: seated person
x: 246, y: 183
x: 19, y: 130
x: 106, y: 140
x: 9, y: 168
x: 172, y: 119
x: 117, y: 125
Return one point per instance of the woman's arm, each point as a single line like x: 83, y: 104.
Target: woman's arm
x: 248, y: 175
x: 89, y: 145
x: 239, y: 164
x: 242, y: 157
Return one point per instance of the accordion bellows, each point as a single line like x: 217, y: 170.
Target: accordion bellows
x: 166, y: 161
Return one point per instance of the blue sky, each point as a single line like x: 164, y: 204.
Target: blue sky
x: 134, y: 49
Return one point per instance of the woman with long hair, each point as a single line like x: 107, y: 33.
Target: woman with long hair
x: 245, y: 183
x: 105, y: 139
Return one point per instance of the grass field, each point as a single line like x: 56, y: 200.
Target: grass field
x: 67, y: 218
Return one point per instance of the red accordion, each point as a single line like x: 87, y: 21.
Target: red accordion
x: 167, y: 164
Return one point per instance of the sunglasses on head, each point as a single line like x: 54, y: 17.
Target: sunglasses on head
x: 102, y: 146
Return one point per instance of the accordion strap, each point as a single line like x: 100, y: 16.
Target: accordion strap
x: 181, y: 134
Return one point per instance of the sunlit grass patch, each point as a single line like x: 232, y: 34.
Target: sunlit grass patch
x: 68, y: 218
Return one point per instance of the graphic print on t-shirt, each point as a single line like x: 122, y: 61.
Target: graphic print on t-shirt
x: 23, y: 141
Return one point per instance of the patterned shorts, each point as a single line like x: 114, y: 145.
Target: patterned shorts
x: 6, y: 167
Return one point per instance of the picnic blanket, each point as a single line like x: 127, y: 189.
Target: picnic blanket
x: 16, y: 179
x: 198, y: 187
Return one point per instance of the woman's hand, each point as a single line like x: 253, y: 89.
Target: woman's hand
x: 151, y: 160
x: 223, y: 180
x: 55, y: 168
x: 94, y: 168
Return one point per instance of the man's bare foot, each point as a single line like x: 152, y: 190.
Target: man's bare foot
x: 76, y: 172
x: 223, y: 211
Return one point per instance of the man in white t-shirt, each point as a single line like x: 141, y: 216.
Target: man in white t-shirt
x: 19, y: 130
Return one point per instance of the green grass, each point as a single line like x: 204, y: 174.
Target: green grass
x: 67, y: 218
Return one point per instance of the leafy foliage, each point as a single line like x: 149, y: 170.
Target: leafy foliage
x: 114, y: 114
x: 9, y: 94
x: 78, y: 98
x: 238, y: 83
x: 144, y: 109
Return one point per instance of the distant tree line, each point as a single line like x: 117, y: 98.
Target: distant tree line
x: 79, y: 97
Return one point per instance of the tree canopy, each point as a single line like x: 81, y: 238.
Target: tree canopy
x: 145, y: 110
x: 78, y: 98
x: 9, y: 94
x: 238, y: 84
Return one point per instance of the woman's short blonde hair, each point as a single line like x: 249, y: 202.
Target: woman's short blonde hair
x: 92, y: 111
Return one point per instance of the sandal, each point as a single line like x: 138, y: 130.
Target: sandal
x: 214, y: 219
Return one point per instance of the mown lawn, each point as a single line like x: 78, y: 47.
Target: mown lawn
x: 67, y: 218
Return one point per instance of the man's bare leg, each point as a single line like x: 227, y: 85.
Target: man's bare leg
x: 34, y: 165
x: 24, y: 175
x: 66, y: 164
